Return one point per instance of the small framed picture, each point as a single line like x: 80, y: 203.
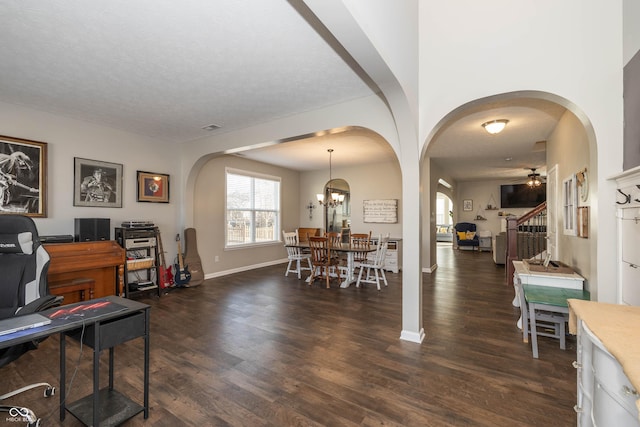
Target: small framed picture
x: 467, y: 205
x: 583, y: 222
x: 97, y: 183
x: 23, y: 177
x: 153, y: 187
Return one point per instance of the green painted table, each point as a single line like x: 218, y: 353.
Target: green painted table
x: 550, y: 299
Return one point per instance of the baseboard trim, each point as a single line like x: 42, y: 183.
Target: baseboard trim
x: 416, y: 337
x: 244, y: 268
x: 431, y: 269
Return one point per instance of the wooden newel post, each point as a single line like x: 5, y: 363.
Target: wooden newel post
x: 512, y: 247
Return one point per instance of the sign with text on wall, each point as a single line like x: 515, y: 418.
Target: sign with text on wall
x: 381, y: 211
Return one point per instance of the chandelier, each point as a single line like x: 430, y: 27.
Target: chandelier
x: 534, y: 179
x: 336, y: 198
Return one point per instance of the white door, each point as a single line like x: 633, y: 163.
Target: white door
x: 552, y: 212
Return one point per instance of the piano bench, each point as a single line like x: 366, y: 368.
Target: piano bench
x: 80, y: 285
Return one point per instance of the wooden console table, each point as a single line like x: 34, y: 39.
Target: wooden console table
x: 81, y: 262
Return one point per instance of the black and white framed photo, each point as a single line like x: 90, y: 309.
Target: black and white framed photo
x: 467, y: 205
x: 23, y: 177
x: 97, y: 183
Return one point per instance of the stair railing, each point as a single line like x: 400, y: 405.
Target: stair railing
x: 526, y: 238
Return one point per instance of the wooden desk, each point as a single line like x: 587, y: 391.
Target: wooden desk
x: 101, y: 324
x: 101, y: 261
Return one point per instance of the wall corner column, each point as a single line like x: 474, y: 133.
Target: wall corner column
x: 412, y: 329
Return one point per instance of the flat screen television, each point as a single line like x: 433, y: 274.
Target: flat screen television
x: 522, y: 196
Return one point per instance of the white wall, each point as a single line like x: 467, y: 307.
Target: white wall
x: 372, y: 15
x: 210, y: 216
x: 366, y: 182
x: 482, y: 193
x: 369, y: 112
x: 631, y: 41
x: 375, y: 181
x: 469, y: 51
x: 67, y: 138
x: 568, y: 147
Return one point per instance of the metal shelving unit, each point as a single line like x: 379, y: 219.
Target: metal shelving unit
x: 141, y: 267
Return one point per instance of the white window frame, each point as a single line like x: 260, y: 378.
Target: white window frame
x: 276, y: 211
x: 569, y: 206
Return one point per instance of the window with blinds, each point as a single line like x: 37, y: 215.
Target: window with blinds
x: 253, y: 208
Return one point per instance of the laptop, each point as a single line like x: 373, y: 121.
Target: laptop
x: 20, y: 323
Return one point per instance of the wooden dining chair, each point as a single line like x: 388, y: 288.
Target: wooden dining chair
x: 321, y: 260
x: 360, y: 241
x: 335, y: 240
x: 296, y: 256
x: 334, y: 237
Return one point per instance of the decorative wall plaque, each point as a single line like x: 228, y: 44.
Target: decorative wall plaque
x: 381, y: 211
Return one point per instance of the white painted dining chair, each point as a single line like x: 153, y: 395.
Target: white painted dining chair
x: 374, y: 266
x: 295, y: 255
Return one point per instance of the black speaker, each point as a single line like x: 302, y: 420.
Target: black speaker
x: 92, y: 229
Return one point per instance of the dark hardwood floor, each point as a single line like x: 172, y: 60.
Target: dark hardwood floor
x: 260, y: 349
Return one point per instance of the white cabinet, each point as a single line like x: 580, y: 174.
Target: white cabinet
x: 484, y: 243
x: 393, y: 258
x: 630, y: 283
x: 605, y: 396
x: 628, y: 219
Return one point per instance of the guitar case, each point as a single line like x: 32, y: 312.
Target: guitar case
x: 191, y: 258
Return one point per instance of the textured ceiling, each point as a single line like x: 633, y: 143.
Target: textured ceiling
x: 167, y: 69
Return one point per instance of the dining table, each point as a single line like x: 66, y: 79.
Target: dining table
x: 348, y: 249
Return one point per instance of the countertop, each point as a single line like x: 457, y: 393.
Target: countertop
x: 618, y: 327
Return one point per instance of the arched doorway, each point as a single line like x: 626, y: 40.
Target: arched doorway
x: 444, y: 219
x: 544, y: 131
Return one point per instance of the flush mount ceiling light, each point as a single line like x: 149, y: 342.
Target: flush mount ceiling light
x: 495, y: 126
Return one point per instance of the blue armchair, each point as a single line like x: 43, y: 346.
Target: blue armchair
x: 468, y: 231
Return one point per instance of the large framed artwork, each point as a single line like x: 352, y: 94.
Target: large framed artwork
x: 23, y: 177
x: 153, y: 187
x: 97, y: 183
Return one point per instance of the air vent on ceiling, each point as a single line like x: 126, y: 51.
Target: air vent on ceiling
x: 211, y: 127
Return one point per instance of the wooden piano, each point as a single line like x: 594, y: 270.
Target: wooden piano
x: 83, y: 270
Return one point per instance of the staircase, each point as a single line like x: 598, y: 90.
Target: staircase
x: 526, y: 238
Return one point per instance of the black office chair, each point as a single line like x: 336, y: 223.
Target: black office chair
x: 23, y: 289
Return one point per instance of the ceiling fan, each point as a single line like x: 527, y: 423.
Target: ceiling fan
x: 534, y: 179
